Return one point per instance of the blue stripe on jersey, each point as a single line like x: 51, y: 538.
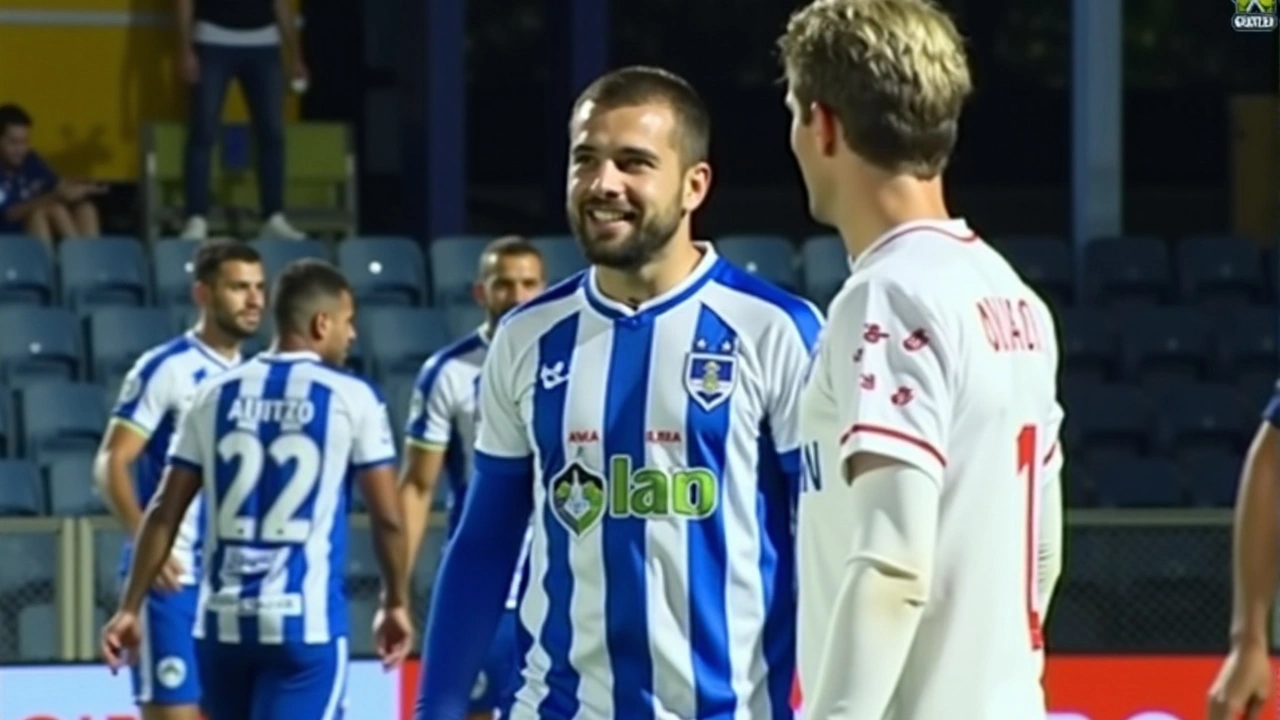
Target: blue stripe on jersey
x: 706, y: 434
x: 455, y: 467
x: 778, y: 569
x: 320, y: 397
x: 555, y: 346
x: 626, y: 597
x: 562, y: 289
x: 265, y: 493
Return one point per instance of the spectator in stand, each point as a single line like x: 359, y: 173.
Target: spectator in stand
x: 33, y: 200
x: 240, y: 39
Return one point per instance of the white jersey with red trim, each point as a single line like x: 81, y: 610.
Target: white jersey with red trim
x: 936, y: 353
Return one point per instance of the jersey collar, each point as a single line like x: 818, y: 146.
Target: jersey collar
x: 292, y: 356
x: 210, y: 353
x: 955, y: 228
x: 652, y: 307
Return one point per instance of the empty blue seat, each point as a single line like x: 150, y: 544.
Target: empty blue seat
x: 1212, y: 477
x: 30, y: 562
x: 20, y: 489
x: 62, y: 417
x: 772, y: 257
x: 38, y: 343
x: 173, y: 270
x: 1088, y: 345
x: 1106, y: 419
x: 26, y: 271
x: 824, y: 266
x: 1218, y: 268
x: 1163, y: 345
x: 1137, y: 482
x: 464, y: 318
x: 71, y: 491
x: 103, y: 271
x: 454, y: 260
x: 398, y: 340
x: 1128, y: 269
x: 1045, y: 263
x: 1197, y: 416
x: 384, y: 271
x: 1246, y: 341
x: 561, y: 256
x: 117, y: 336
x: 277, y: 253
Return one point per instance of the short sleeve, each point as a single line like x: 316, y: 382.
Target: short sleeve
x: 431, y: 412
x: 1271, y: 413
x: 1051, y: 454
x: 372, y: 443
x: 40, y: 174
x: 886, y: 366
x: 790, y: 355
x: 146, y: 396
x: 185, y: 449
x: 502, y: 434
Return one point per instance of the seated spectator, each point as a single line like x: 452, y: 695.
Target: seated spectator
x: 32, y: 198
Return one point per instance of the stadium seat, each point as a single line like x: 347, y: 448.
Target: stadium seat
x: 1246, y: 341
x: 1255, y: 388
x: 1163, y: 345
x: 357, y: 358
x: 1219, y: 268
x: 1045, y: 263
x: 1198, y: 416
x: 38, y: 343
x: 1088, y: 344
x: 173, y: 269
x: 772, y: 257
x: 103, y: 272
x: 1104, y: 420
x: 398, y: 340
x: 561, y: 256
x: 20, y: 493
x: 1128, y: 270
x: 453, y: 263
x: 464, y: 318
x: 118, y: 336
x: 1138, y: 482
x: 824, y: 266
x: 71, y: 491
x: 26, y: 271
x: 384, y: 271
x: 49, y: 428
x: 38, y: 632
x: 277, y: 253
x: 7, y: 439
x: 1212, y: 476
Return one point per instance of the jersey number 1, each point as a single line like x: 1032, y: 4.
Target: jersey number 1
x: 1028, y: 466
x: 278, y: 524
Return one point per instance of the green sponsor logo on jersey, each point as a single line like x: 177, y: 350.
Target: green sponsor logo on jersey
x: 579, y: 497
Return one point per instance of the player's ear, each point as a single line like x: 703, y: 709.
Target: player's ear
x: 201, y: 294
x: 477, y: 293
x: 321, y: 323
x: 697, y: 183
x: 827, y: 126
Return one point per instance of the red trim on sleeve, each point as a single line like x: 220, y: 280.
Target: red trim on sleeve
x: 896, y: 435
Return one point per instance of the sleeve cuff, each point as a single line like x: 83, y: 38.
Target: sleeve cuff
x: 892, y: 442
x: 499, y: 465
x: 133, y: 425
x: 184, y: 463
x: 426, y: 443
x: 360, y: 467
x: 1272, y: 412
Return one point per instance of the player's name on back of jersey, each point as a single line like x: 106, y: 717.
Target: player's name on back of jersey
x: 291, y: 411
x: 1010, y: 325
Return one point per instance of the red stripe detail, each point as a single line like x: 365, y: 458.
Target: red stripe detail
x: 896, y: 435
x: 971, y: 237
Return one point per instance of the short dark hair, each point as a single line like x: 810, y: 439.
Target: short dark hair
x: 301, y: 286
x: 11, y: 114
x: 506, y: 246
x: 213, y: 253
x: 641, y: 84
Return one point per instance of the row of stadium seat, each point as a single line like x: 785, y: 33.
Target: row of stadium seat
x: 396, y: 271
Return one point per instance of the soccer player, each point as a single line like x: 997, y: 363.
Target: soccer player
x: 441, y: 432
x: 273, y: 442
x: 645, y: 411
x: 229, y: 291
x: 930, y: 493
x: 1244, y: 683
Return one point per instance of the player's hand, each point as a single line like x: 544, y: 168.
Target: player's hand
x: 1242, y: 686
x: 169, y: 579
x: 393, y: 635
x: 120, y: 636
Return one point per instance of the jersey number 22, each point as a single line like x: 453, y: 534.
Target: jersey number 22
x: 278, y: 523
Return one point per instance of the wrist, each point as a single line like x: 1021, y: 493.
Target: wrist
x: 1250, y: 637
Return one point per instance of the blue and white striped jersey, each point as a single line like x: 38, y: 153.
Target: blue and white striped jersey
x: 152, y: 397
x: 664, y: 444
x: 276, y: 440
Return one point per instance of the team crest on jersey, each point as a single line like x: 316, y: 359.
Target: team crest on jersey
x: 711, y: 376
x: 130, y: 389
x: 577, y: 498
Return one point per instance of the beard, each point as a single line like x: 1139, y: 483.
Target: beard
x: 229, y: 324
x: 649, y: 234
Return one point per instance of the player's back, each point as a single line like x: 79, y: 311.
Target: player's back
x: 978, y: 645
x: 283, y: 430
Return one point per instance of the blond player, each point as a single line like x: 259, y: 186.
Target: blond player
x: 929, y: 521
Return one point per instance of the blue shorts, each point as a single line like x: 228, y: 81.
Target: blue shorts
x: 499, y: 679
x: 292, y: 681
x: 166, y: 671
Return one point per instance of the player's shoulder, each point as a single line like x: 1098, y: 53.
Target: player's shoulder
x: 536, y: 316
x: 769, y: 305
x: 463, y: 354
x: 155, y: 361
x: 351, y: 389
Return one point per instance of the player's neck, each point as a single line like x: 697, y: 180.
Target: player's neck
x: 885, y: 205
x: 217, y: 341
x: 286, y: 343
x: 665, y: 271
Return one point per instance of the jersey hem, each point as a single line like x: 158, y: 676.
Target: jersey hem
x: 425, y: 444
x: 359, y: 467
x: 176, y: 461
x: 894, y: 443
x: 132, y: 425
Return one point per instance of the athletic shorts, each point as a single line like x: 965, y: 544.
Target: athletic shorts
x: 292, y: 681
x: 166, y: 669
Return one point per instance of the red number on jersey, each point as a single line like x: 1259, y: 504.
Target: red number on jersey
x: 1027, y: 466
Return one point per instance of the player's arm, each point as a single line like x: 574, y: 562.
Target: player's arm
x: 163, y: 518
x: 893, y: 404
x: 791, y: 350
x: 374, y: 457
x: 138, y: 411
x: 1049, y: 546
x: 475, y: 575
x: 426, y: 439
x: 1257, y: 536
